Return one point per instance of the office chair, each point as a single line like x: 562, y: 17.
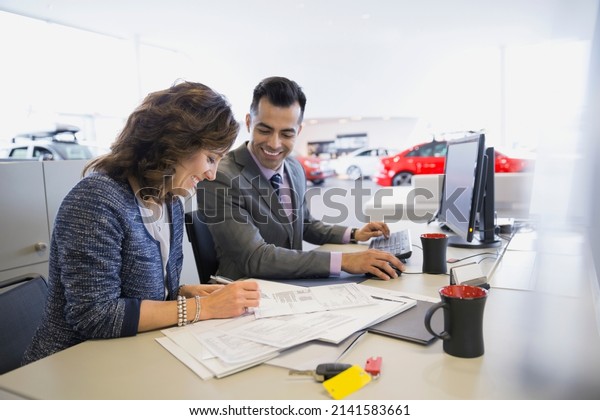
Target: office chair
x: 202, y: 245
x: 22, y: 302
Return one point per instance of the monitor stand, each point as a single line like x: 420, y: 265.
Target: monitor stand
x: 458, y: 242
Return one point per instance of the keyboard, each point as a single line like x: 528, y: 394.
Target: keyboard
x: 398, y: 243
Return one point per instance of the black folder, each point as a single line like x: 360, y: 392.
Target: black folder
x: 410, y: 324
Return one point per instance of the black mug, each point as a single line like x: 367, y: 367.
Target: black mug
x: 434, y: 252
x: 463, y: 319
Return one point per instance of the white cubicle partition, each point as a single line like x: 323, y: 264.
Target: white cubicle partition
x: 24, y: 236
x: 31, y: 194
x: 513, y: 192
x: 59, y: 177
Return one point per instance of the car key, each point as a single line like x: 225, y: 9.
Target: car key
x: 323, y: 371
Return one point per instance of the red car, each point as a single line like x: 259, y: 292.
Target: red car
x: 315, y: 168
x: 429, y: 158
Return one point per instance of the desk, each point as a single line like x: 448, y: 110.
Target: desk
x: 537, y: 346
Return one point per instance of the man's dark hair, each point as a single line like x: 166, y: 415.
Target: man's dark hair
x: 280, y: 92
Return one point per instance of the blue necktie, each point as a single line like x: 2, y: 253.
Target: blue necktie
x: 276, y: 181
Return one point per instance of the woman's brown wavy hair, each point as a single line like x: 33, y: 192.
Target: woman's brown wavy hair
x: 169, y: 126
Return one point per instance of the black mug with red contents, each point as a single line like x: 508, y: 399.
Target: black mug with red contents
x: 463, y: 319
x: 434, y: 252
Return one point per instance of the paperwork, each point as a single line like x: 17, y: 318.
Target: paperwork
x: 288, y: 316
x: 297, y: 299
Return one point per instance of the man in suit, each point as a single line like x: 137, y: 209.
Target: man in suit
x: 255, y: 209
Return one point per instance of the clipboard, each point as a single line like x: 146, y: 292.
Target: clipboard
x: 410, y: 324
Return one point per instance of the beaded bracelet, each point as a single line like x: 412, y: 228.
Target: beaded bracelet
x: 181, y: 311
x: 197, y: 316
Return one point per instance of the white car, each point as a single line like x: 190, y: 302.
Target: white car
x: 361, y: 162
x: 57, y: 144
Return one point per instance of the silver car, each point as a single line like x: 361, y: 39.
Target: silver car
x: 361, y: 162
x: 59, y: 144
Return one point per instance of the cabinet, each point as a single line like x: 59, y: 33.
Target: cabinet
x: 30, y: 195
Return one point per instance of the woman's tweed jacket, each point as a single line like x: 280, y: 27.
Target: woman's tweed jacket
x: 103, y: 263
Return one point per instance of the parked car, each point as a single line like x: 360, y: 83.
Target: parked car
x: 429, y: 158
x: 317, y: 170
x: 361, y: 162
x: 58, y: 144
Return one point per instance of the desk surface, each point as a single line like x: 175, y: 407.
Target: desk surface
x: 537, y: 346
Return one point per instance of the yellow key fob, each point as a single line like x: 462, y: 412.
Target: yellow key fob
x: 345, y: 383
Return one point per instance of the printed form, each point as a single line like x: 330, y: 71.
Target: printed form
x: 313, y: 299
x: 288, y: 316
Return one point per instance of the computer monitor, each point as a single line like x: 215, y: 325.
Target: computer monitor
x: 467, y: 199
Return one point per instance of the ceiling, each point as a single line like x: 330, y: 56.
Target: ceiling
x: 353, y: 57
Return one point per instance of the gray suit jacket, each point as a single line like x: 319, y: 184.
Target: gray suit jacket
x: 253, y: 236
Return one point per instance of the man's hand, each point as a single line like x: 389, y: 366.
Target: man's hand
x: 372, y: 230
x: 379, y: 263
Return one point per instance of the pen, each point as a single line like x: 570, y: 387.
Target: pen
x: 221, y: 280
x: 352, y: 344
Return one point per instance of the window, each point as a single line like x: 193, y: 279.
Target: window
x: 422, y: 151
x: 439, y: 150
x: 42, y: 152
x: 19, y: 153
x: 368, y: 153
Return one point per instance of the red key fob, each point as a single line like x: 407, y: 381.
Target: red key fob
x: 373, y: 366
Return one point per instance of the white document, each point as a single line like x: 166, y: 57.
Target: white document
x: 232, y: 349
x: 364, y: 317
x: 191, y: 352
x: 186, y: 340
x: 297, y: 300
x: 222, y: 369
x: 394, y: 295
x: 387, y: 304
x: 223, y: 347
x: 290, y: 330
x: 183, y: 343
x: 185, y: 358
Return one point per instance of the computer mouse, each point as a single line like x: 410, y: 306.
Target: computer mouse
x: 399, y: 272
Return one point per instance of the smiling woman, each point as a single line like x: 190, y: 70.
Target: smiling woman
x: 116, y: 252
x: 200, y: 166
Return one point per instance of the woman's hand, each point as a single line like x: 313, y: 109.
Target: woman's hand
x: 191, y: 290
x: 230, y: 300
